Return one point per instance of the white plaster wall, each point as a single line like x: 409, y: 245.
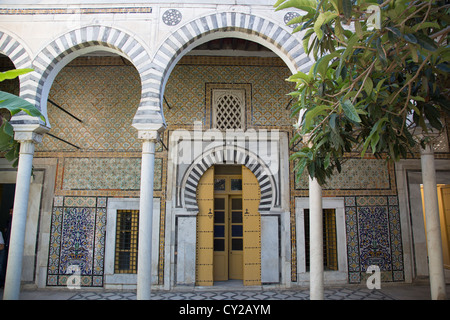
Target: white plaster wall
x: 148, y: 28
x: 186, y: 246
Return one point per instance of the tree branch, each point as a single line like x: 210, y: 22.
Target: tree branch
x: 412, y: 79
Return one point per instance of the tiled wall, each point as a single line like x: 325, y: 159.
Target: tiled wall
x: 374, y: 237
x: 104, y: 94
x: 77, y: 238
x: 107, y: 164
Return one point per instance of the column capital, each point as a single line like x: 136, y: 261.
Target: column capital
x: 29, y: 132
x: 428, y: 150
x: 149, y: 131
x: 148, y: 135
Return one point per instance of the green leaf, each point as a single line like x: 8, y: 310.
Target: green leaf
x: 347, y: 8
x: 299, y: 168
x: 348, y: 50
x: 300, y: 76
x: 394, y: 31
x: 380, y: 50
x: 278, y: 3
x: 426, y: 42
x: 5, y: 140
x: 11, y: 74
x: 305, y: 5
x: 368, y: 86
x: 313, y: 113
x: 374, y: 141
x: 12, y: 153
x: 332, y: 121
x: 16, y: 104
x: 323, y: 18
x: 410, y: 38
x: 443, y: 67
x: 8, y: 129
x: 374, y: 131
x: 350, y: 111
x: 321, y: 65
x: 425, y: 25
x: 338, y: 30
x: 318, y: 26
x: 295, y: 20
x: 326, y: 162
x: 358, y: 29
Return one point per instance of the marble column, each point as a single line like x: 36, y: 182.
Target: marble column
x: 433, y: 229
x: 27, y: 141
x: 144, y: 276
x: 316, y: 283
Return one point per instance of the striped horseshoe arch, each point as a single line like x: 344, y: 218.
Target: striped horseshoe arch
x: 62, y: 50
x: 14, y: 50
x: 19, y: 56
x: 249, y: 26
x: 228, y: 155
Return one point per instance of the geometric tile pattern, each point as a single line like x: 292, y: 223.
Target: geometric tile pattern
x: 106, y: 108
x: 268, y: 103
x: 77, y: 238
x: 219, y: 295
x: 373, y: 237
x: 367, y: 174
x: 106, y: 173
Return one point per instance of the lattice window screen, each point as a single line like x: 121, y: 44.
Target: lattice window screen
x: 228, y: 109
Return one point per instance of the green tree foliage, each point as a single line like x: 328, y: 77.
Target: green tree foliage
x: 379, y: 77
x: 9, y: 106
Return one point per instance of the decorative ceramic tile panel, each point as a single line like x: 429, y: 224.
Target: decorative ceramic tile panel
x: 77, y: 239
x: 99, y: 242
x: 352, y: 239
x: 374, y: 237
x: 77, y: 245
x: 88, y: 202
x: 356, y: 174
x: 374, y: 244
x: 55, y: 241
x: 106, y: 173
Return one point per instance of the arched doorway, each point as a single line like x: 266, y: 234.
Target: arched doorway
x: 228, y: 226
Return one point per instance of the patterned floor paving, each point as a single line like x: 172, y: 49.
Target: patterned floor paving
x: 329, y: 294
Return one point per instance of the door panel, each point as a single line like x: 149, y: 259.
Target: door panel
x: 251, y: 196
x: 236, y: 238
x: 205, y: 224
x: 220, y: 238
x: 228, y: 228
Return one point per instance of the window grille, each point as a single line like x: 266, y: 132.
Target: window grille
x: 228, y: 109
x: 330, y: 261
x: 126, y: 241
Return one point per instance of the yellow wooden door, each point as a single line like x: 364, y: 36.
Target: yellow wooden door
x: 443, y: 191
x: 444, y: 214
x: 236, y: 236
x: 220, y: 237
x: 205, y: 224
x: 251, y: 196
